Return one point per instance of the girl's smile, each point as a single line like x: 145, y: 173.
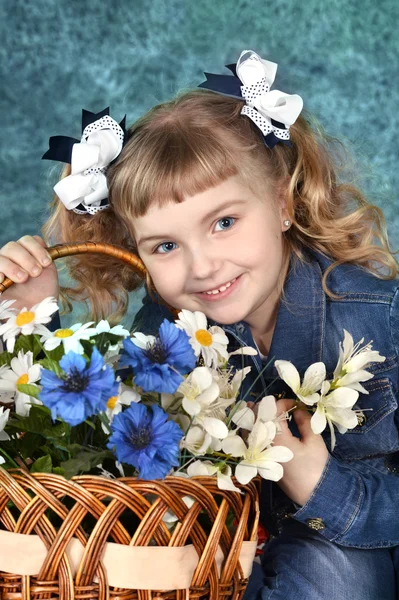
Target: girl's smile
x: 221, y: 292
x: 219, y: 252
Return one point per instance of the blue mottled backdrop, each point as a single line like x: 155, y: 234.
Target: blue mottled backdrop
x: 56, y: 58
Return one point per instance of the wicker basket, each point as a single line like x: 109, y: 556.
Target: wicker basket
x: 65, y: 540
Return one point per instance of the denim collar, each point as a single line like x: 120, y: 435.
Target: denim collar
x: 299, y: 331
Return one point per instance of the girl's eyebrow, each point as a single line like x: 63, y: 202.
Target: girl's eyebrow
x: 207, y: 217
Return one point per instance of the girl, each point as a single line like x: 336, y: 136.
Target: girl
x: 233, y: 203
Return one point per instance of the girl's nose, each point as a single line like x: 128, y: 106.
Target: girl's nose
x: 204, y: 265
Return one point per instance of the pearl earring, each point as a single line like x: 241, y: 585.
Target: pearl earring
x: 286, y: 223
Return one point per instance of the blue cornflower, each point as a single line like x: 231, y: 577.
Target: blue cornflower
x: 145, y: 438
x: 159, y: 367
x: 81, y: 391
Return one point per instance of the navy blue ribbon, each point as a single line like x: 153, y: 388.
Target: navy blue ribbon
x: 228, y: 85
x: 60, y: 146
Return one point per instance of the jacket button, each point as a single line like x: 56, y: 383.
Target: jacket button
x: 240, y: 328
x: 316, y: 524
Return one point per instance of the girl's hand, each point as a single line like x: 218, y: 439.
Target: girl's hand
x: 18, y: 261
x: 302, y: 473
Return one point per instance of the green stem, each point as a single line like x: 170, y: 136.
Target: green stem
x: 37, y: 338
x: 11, y: 460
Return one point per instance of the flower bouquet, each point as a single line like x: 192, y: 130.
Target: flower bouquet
x: 132, y: 459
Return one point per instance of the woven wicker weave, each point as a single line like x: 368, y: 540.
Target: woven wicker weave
x: 96, y: 510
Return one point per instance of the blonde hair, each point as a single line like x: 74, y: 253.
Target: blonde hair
x: 196, y: 141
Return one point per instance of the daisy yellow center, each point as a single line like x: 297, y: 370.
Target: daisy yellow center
x: 24, y: 318
x: 111, y: 402
x: 203, y: 337
x: 23, y: 379
x: 63, y: 333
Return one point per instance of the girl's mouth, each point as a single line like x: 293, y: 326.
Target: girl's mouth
x: 219, y: 293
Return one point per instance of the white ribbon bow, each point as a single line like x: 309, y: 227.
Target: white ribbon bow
x: 101, y: 143
x: 262, y: 105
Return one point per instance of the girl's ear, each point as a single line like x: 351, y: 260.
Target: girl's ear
x: 282, y: 205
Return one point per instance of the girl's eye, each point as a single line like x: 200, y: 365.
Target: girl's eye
x: 225, y: 223
x: 165, y: 248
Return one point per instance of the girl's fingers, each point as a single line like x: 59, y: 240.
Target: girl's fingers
x: 37, y: 247
x: 302, y: 419
x: 20, y: 259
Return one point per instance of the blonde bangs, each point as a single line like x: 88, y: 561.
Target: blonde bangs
x: 179, y: 149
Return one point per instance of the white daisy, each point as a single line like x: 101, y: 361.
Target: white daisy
x: 104, y: 327
x: 126, y: 395
x: 28, y: 321
x: 5, y: 310
x: 22, y: 371
x: 70, y: 338
x: 210, y: 343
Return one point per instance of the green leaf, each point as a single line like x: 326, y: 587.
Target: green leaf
x: 51, y: 365
x: 43, y: 464
x: 36, y: 422
x: 86, y: 460
x: 58, y: 470
x: 27, y: 343
x: 5, y: 358
x: 29, y: 388
x: 29, y: 443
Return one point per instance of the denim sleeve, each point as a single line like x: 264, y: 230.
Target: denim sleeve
x: 356, y: 509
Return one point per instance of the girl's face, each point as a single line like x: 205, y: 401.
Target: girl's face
x: 219, y: 252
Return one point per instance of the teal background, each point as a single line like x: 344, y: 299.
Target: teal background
x: 57, y: 58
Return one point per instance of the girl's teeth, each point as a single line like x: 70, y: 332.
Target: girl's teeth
x: 222, y: 289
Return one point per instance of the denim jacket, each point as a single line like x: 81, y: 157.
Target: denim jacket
x: 356, y: 500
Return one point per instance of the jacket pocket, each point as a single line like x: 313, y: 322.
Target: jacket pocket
x: 377, y: 434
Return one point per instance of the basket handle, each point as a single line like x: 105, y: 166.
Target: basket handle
x: 62, y: 250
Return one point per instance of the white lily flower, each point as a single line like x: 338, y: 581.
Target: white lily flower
x: 258, y: 454
x: 335, y: 408
x: 243, y: 416
x: 21, y: 371
x: 230, y: 381
x: 353, y: 362
x: 206, y: 468
x: 28, y: 321
x: 266, y: 410
x: 112, y: 355
x: 198, y: 441
x: 4, y: 416
x: 197, y: 389
x: 69, y: 338
x: 312, y: 380
x: 244, y: 351
x: 202, y: 402
x: 210, y: 343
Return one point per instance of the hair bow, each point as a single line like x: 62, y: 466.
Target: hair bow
x: 272, y: 111
x: 85, y: 190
